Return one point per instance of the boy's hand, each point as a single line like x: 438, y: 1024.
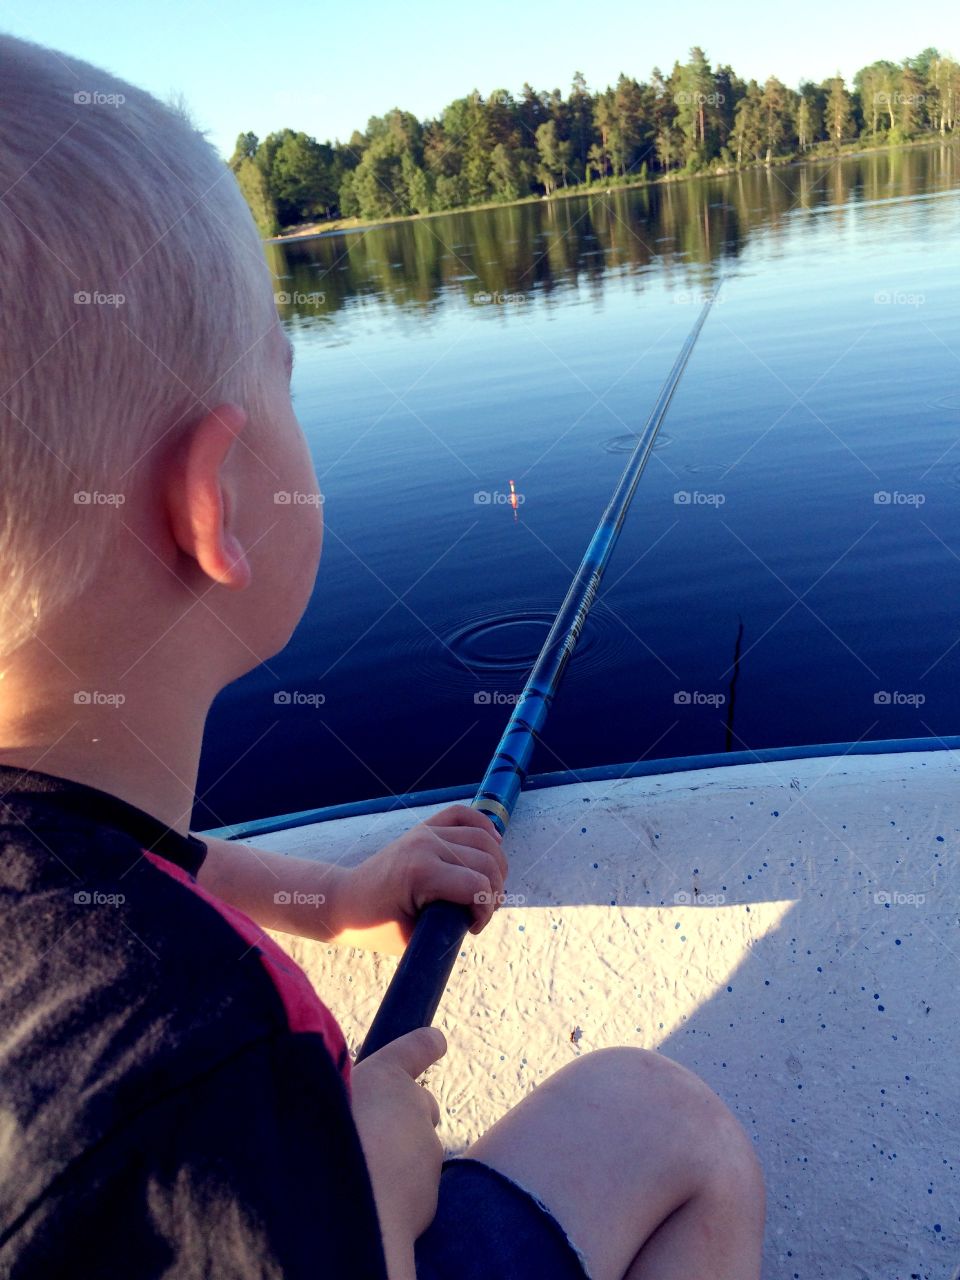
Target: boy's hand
x: 454, y: 856
x: 396, y: 1121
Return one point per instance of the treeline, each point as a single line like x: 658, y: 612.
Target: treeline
x: 503, y: 148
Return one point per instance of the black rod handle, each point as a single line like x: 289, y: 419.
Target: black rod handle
x: 414, y: 992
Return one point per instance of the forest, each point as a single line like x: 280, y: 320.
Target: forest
x: 502, y: 148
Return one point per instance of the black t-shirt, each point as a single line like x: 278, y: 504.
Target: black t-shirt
x: 174, y: 1098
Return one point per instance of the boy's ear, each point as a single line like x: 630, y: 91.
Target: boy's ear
x: 197, y: 499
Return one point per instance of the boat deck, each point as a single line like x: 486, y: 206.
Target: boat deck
x: 786, y: 929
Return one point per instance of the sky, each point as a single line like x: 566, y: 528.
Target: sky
x: 326, y: 68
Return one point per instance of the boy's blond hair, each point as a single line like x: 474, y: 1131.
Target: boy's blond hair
x: 134, y: 294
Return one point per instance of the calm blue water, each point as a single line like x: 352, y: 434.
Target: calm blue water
x: 827, y: 373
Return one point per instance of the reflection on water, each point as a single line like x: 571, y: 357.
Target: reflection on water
x: 471, y: 385
x: 579, y: 241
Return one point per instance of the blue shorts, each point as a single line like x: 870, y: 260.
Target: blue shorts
x: 488, y: 1227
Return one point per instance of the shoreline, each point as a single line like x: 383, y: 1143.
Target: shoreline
x: 344, y: 226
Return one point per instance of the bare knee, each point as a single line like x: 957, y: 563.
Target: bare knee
x: 616, y: 1142
x: 695, y: 1135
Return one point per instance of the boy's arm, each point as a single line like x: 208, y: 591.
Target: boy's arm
x: 455, y: 856
x: 293, y: 895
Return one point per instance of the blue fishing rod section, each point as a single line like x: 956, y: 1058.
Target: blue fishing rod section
x: 413, y: 995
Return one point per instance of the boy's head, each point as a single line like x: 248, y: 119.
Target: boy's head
x: 145, y: 417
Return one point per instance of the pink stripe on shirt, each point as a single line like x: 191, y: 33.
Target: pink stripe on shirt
x: 305, y: 1010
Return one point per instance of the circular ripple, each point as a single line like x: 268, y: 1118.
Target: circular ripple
x: 950, y: 403
x: 501, y: 644
x: 497, y: 651
x: 706, y: 468
x: 627, y: 443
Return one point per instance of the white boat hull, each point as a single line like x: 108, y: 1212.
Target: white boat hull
x: 787, y: 930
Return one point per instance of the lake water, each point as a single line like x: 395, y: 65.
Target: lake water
x: 803, y: 498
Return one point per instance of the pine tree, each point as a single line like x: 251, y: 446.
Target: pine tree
x: 580, y: 113
x: 839, y: 113
x: 775, y: 116
x: 910, y: 103
x: 246, y: 148
x: 695, y: 96
x: 747, y: 134
x: 253, y: 184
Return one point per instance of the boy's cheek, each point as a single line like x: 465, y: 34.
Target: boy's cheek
x: 301, y: 541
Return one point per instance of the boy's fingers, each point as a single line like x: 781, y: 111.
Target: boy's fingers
x: 477, y: 839
x: 455, y: 882
x: 434, y: 1107
x: 463, y: 815
x: 464, y: 855
x: 415, y: 1051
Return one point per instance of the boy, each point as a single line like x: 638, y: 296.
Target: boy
x: 176, y: 1100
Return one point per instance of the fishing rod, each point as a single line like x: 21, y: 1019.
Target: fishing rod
x: 414, y: 992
